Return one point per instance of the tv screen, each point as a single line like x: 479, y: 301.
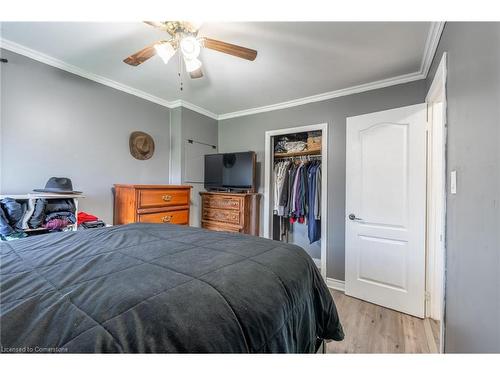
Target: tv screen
x: 230, y: 171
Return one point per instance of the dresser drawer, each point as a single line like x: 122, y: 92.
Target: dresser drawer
x: 223, y: 202
x: 163, y: 197
x: 225, y: 216
x: 168, y: 217
x: 218, y: 227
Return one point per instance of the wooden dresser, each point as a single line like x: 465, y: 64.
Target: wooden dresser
x: 152, y: 204
x: 231, y: 212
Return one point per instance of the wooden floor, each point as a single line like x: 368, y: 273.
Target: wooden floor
x: 370, y: 328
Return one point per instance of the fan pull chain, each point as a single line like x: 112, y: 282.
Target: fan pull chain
x: 179, y: 72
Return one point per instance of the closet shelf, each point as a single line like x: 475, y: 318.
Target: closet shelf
x: 278, y: 155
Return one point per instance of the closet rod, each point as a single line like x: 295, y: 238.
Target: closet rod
x: 297, y: 157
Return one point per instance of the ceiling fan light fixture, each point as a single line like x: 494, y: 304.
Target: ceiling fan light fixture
x: 192, y: 64
x: 190, y: 47
x: 195, y: 24
x: 165, y: 51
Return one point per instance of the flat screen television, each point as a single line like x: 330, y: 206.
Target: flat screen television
x: 231, y: 171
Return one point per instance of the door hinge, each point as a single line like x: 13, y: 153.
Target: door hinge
x: 427, y: 296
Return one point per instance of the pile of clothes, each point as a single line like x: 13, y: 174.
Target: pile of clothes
x: 291, y: 143
x: 12, y: 214
x: 297, y: 195
x: 18, y: 216
x: 88, y: 221
x: 57, y: 214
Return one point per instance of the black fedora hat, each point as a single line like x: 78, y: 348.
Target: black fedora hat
x: 60, y: 185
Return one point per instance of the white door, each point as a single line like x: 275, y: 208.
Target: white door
x: 385, y: 208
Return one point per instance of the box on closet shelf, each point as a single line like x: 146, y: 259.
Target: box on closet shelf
x: 314, y: 141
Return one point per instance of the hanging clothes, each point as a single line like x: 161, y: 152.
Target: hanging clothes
x: 317, y: 196
x: 299, y: 205
x: 283, y: 196
x: 280, y: 178
x: 314, y: 223
x: 297, y: 195
x: 290, y: 193
x: 295, y: 190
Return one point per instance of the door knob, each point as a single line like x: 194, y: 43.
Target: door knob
x: 353, y: 217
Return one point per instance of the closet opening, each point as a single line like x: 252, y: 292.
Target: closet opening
x: 296, y: 195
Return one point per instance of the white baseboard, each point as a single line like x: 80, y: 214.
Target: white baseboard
x: 335, y: 284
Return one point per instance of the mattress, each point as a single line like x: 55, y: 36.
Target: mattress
x: 161, y: 288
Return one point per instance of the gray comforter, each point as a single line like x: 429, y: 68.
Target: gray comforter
x: 161, y: 288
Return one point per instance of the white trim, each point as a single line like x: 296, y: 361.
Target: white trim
x: 324, y: 197
x: 436, y: 266
x: 431, y: 44
x: 439, y: 81
x: 327, y: 95
x: 335, y: 284
x: 49, y: 60
x: 268, y: 170
x: 193, y: 107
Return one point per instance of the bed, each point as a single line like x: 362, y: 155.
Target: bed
x: 161, y: 288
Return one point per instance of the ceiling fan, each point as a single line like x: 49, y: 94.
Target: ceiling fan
x: 184, y: 37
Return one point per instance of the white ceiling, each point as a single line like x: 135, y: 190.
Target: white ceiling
x: 295, y: 59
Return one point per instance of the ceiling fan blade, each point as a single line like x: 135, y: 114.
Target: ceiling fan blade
x: 141, y: 56
x: 231, y: 49
x: 159, y: 25
x: 198, y: 73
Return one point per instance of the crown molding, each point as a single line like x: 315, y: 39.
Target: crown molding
x: 193, y: 107
x: 431, y: 45
x: 198, y: 109
x: 49, y: 60
x: 176, y: 103
x: 327, y: 95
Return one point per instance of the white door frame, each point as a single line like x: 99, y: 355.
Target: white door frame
x: 268, y: 170
x: 436, y: 213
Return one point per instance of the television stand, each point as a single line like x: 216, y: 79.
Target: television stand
x: 231, y: 211
x: 219, y: 190
x: 231, y: 190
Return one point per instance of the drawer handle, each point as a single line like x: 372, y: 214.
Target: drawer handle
x: 166, y: 219
x: 167, y: 198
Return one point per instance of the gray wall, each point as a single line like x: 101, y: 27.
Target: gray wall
x: 187, y: 124
x: 54, y: 123
x: 176, y: 146
x: 247, y: 133
x: 473, y: 214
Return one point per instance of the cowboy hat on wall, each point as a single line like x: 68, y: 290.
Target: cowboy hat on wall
x: 142, y: 146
